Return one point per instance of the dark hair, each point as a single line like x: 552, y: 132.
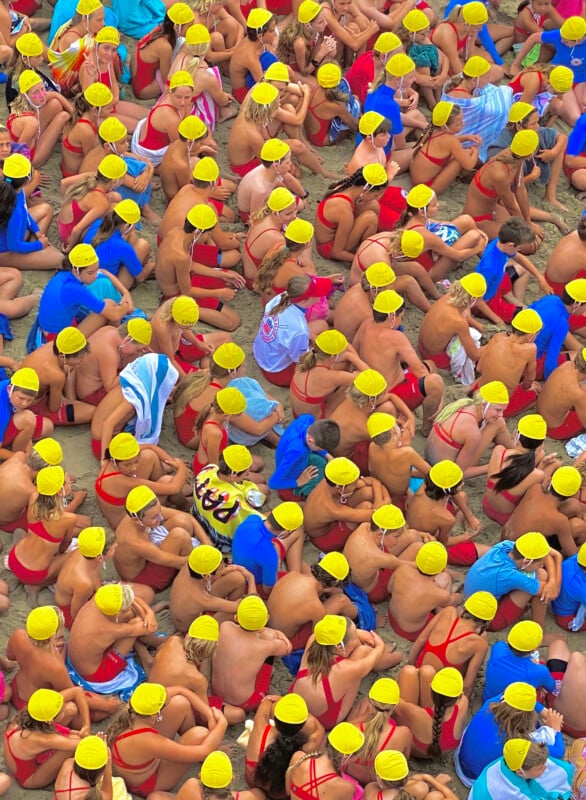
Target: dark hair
x: 441, y: 703
x: 272, y: 765
x: 82, y: 352
x: 516, y: 231
x: 111, y: 221
x: 225, y: 469
x: 435, y: 492
x: 581, y: 229
x: 356, y: 179
x: 519, y: 467
x: 254, y: 34
x: 327, y: 581
x: 325, y: 433
x: 8, y: 189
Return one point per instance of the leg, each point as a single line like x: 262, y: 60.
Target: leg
x: 42, y: 213
x: 365, y: 225
x: 568, y: 701
x: 408, y: 286
x: 226, y: 319
x: 408, y: 680
x: 48, y: 258
x: 307, y: 157
x: 421, y: 275
x: 170, y: 773
x: 294, y: 547
x: 571, y: 109
x: 91, y: 324
x: 446, y: 177
x: 51, y: 132
x: 550, y: 194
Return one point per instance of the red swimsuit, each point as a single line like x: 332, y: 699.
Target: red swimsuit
x: 149, y: 784
x: 329, y: 717
x: 440, y: 650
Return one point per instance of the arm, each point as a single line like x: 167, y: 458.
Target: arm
x: 56, y: 391
x: 527, y: 264
x: 534, y: 39
x: 445, y: 40
x: 474, y: 665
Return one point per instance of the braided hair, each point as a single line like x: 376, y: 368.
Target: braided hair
x: 441, y: 703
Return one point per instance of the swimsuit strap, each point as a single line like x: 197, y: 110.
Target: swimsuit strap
x: 68, y: 789
x: 103, y: 494
x: 119, y: 761
x: 39, y: 529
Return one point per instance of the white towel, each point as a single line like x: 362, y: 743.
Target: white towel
x: 461, y: 366
x: 154, y: 156
x: 146, y: 383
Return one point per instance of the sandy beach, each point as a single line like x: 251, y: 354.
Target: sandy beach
x: 75, y: 441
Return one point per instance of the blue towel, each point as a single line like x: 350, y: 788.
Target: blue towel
x: 123, y: 684
x: 293, y: 661
x: 258, y: 406
x: 136, y: 19
x: 146, y: 384
x: 366, y: 613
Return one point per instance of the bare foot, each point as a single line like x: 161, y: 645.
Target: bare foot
x: 553, y: 201
x: 389, y: 659
x: 150, y: 216
x: 382, y: 620
x: 560, y: 225
x: 333, y: 176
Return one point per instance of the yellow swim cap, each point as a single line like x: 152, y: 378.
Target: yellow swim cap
x: 521, y: 696
x: 277, y: 71
x: 576, y: 289
x: 205, y: 559
x: 476, y: 67
x: 475, y: 14
x: 28, y: 78
x: 50, y: 451
x: 91, y: 753
x: 44, y: 705
x: 139, y: 498
x: 441, y: 113
x: 202, y: 216
x: 299, y: 231
x: 346, y: 738
x: 107, y: 35
x: 582, y: 555
x: 533, y: 426
x: 208, y: 171
x: 50, y: 481
x: 87, y: 7
x: 370, y: 382
x: 520, y: 110
x: 412, y: 243
x: 82, y: 256
x: 341, y: 471
x: 495, y: 393
x: 415, y: 21
x: 378, y: 423
x: 561, y: 79
x: 291, y: 709
x: 274, y: 150
x: 420, y: 196
x: 185, y: 311
x: 280, y: 199
x: 331, y: 342
x: 91, y: 541
x: 42, y: 623
x: 374, y: 174
x: 288, y: 515
x: 369, y: 122
x: 474, y: 284
x: 308, y: 11
x: 112, y: 130
x: 448, y: 682
x: 515, y: 752
x: 112, y: 167
x: 231, y: 401
x: 180, y: 13
x: 387, y: 42
x: 25, y: 378
x: 329, y: 76
x: 237, y: 457
x: 148, y: 699
x: 17, y: 166
x: 400, y: 65
x: 431, y: 558
x: 566, y: 481
x: 264, y: 94
x: 330, y: 630
x: 140, y: 330
x: 391, y: 765
x: 128, y: 211
x: 29, y: 45
x: 181, y: 78
x: 229, y: 356
x: 380, y: 274
x: 258, y: 18
x: 527, y: 321
x: 192, y: 128
x: 252, y: 614
x: 124, y: 447
x: 197, y: 34
x: 110, y: 599
x: 387, y: 302
x: 573, y: 29
x: 524, y: 143
x: 216, y: 771
x: 385, y: 691
x: 204, y: 627
x: 482, y: 605
x: 525, y: 636
x: 446, y: 474
x: 388, y: 518
x: 336, y: 565
x: 532, y: 545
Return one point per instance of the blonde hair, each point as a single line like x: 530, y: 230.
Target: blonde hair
x: 257, y: 216
x: 197, y: 53
x: 448, y: 411
x: 459, y: 297
x: 48, y: 508
x: 309, y: 359
x: 257, y: 113
x: 83, y: 186
x: 189, y: 388
x: 270, y: 264
x: 373, y: 729
x: 513, y: 723
x: 359, y: 399
x: 198, y: 650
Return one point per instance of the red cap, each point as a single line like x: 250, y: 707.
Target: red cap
x: 318, y: 287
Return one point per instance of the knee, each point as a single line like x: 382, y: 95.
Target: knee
x: 233, y: 322
x: 466, y: 223
x: 409, y: 672
x: 434, y: 385
x: 179, y: 704
x: 14, y: 275
x: 4, y: 603
x: 296, y: 146
x: 48, y: 427
x: 25, y: 421
x: 577, y: 660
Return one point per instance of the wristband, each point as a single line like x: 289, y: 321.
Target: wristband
x: 315, y: 63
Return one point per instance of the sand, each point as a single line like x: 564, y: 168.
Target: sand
x: 75, y: 441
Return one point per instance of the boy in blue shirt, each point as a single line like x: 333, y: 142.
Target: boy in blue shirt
x: 569, y: 607
x: 561, y: 316
x: 302, y: 454
x: 506, y: 286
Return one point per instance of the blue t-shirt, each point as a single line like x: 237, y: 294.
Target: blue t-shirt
x: 483, y: 742
x: 292, y: 454
x: 556, y: 326
x: 573, y: 591
x: 383, y: 101
x: 577, y: 138
x: 492, y: 267
x: 504, y: 667
x: 115, y: 252
x: 62, y: 300
x: 496, y: 572
x: 572, y: 57
x: 253, y: 548
x: 13, y: 235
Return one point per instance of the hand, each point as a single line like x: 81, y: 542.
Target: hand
x: 552, y: 719
x: 84, y: 731
x: 539, y: 232
x: 91, y: 70
x: 44, y: 180
x: 393, y: 169
x: 337, y: 278
x: 308, y: 474
x: 549, y: 592
x: 475, y: 524
x: 226, y: 294
x: 234, y: 279
x: 141, y: 182
x: 545, y: 155
x: 280, y: 411
x: 43, y: 240
x: 545, y: 287
x: 127, y: 298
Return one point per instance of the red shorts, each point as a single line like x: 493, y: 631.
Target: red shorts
x: 299, y: 641
x: 244, y: 169
x: 12, y: 431
x: 562, y: 358
x: 20, y: 522
x: 380, y: 592
x: 17, y: 701
x: 146, y: 787
x: 507, y: 614
x: 111, y: 665
x: 244, y: 216
x: 499, y: 305
x: 288, y: 495
x: 360, y: 456
x: 558, y: 288
x: 96, y: 445
x: 189, y: 351
x: 240, y: 93
x: 334, y: 539
x: 156, y: 576
x: 409, y: 635
x: 564, y: 621
x: 463, y: 554
x: 577, y: 321
x: 217, y: 204
x: 282, y: 378
x: 59, y: 417
x: 520, y: 400
x: 571, y: 426
x: 95, y: 398
x: 441, y: 360
x: 207, y: 282
x: 325, y: 249
x: 26, y: 7
x: 408, y: 391
x: 66, y: 611
x: 262, y: 687
x: 30, y: 577
x: 206, y: 254
x: 498, y: 516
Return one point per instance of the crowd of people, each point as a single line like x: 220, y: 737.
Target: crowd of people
x: 352, y: 557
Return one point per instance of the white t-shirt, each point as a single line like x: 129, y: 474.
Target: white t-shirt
x: 281, y: 338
